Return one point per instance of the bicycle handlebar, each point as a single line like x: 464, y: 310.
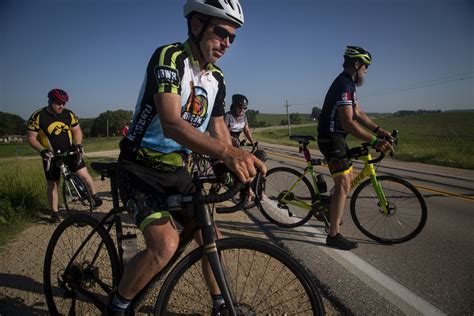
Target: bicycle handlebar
x: 222, y: 175
x: 356, y: 152
x: 60, y: 155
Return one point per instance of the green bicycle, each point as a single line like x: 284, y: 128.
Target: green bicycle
x: 387, y: 209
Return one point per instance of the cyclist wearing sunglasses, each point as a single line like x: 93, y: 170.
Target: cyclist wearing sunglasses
x: 236, y: 120
x: 54, y: 129
x: 342, y: 115
x: 182, y: 97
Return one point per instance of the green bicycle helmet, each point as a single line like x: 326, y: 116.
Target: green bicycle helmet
x: 358, y: 52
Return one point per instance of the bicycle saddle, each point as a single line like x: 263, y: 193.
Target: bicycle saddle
x: 302, y: 138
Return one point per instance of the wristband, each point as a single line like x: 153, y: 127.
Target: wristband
x: 373, y: 141
x: 376, y: 129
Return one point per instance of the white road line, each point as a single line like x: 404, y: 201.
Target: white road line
x: 407, y: 301
x: 396, y: 293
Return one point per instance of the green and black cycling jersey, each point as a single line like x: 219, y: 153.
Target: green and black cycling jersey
x: 341, y: 93
x: 54, y: 130
x: 173, y: 69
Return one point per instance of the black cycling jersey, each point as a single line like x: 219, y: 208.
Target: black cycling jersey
x: 341, y: 93
x: 54, y: 130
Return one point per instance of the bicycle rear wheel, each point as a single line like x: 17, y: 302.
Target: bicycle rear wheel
x: 81, y: 267
x: 76, y: 195
x: 288, y: 213
x: 263, y: 279
x: 407, y: 213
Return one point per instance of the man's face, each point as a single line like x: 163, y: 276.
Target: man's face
x: 57, y: 107
x: 218, y: 37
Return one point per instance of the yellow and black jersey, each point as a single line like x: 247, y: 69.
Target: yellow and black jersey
x: 54, y: 131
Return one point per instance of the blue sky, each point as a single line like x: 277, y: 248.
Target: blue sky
x: 97, y: 50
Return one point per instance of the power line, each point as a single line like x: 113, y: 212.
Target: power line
x: 413, y: 86
x: 422, y: 84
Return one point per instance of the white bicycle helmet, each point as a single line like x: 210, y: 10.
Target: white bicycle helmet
x: 230, y: 10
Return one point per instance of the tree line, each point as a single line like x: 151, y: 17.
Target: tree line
x: 108, y: 123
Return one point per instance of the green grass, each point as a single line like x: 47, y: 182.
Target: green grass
x: 445, y: 139
x: 90, y: 144
x: 22, y: 195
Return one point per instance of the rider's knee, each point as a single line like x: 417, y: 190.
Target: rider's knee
x: 161, y: 253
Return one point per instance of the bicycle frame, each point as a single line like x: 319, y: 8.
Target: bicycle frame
x: 202, y: 221
x: 367, y: 171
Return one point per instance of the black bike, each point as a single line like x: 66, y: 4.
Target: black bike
x: 83, y: 264
x: 76, y: 194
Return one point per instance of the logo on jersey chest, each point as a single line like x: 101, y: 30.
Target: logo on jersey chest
x: 195, y: 110
x: 56, y: 128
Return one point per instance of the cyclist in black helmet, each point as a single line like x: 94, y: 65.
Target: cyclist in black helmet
x: 342, y: 115
x: 236, y: 120
x: 54, y: 128
x: 182, y: 97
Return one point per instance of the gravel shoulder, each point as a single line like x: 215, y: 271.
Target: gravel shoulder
x: 21, y: 266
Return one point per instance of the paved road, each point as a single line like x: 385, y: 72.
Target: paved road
x: 432, y: 274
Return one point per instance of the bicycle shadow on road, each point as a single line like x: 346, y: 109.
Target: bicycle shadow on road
x: 16, y: 305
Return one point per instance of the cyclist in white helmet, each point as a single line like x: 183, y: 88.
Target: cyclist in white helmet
x: 182, y: 96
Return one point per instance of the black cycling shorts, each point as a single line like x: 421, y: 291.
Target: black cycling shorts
x: 143, y: 191
x: 335, y: 149
x: 53, y: 174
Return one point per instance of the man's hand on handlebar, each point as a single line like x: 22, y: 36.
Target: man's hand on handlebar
x: 80, y: 149
x: 243, y: 164
x: 46, y: 154
x: 383, y: 146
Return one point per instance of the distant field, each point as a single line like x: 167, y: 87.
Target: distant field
x: 275, y: 119
x: 445, y: 139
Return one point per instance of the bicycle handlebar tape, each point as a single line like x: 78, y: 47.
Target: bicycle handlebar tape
x: 261, y: 154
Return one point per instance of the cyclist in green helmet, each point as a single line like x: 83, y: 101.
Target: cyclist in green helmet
x: 342, y: 115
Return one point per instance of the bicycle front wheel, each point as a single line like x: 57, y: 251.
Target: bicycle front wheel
x: 76, y: 195
x: 406, y: 213
x: 81, y: 267
x: 263, y: 279
x: 282, y: 206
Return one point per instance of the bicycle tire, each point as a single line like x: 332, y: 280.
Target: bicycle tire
x: 64, y: 289
x: 76, y: 195
x: 263, y: 278
x: 408, y: 212
x: 277, y: 181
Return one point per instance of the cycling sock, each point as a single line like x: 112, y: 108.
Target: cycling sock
x: 119, y: 303
x: 217, y: 300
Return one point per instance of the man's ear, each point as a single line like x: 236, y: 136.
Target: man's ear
x: 196, y: 26
x: 357, y: 65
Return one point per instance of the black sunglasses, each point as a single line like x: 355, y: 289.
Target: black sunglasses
x: 222, y: 33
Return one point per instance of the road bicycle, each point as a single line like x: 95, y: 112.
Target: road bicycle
x: 84, y: 263
x: 76, y: 194
x: 203, y: 165
x: 387, y: 209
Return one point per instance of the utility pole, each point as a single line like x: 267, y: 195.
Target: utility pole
x: 288, y: 116
x: 107, y: 120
